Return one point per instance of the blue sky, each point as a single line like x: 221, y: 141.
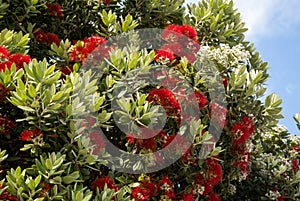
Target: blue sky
x: 274, y: 28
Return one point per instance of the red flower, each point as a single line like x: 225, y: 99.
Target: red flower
x: 187, y: 197
x: 164, y: 55
x: 79, y: 52
x: 19, y: 59
x: 151, y: 187
x: 106, y: 1
x: 53, y: 38
x: 295, y: 165
x: 40, y: 36
x: 6, y: 125
x: 174, y: 48
x: 66, y: 70
x: 214, y: 171
x: 280, y: 198
x: 97, y: 140
x: 201, y: 98
x: 4, y: 92
x: 174, y: 32
x: 55, y: 9
x: 214, y: 197
x: 242, y: 130
x: 167, y: 100
x: 28, y: 135
x: 5, y: 65
x: 166, y: 184
x: 147, y: 144
x: 225, y: 82
x: 100, y: 183
x: 189, y: 32
x: 4, y: 53
x: 170, y: 194
x: 139, y: 194
x: 130, y: 138
x: 296, y: 148
x: 94, y: 40
x: 218, y: 114
x: 6, y: 196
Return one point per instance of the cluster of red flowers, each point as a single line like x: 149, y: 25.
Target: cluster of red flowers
x: 148, y: 142
x: 218, y: 114
x: 145, y: 190
x: 6, y: 125
x: 201, y: 98
x: 241, y: 131
x: 4, y: 92
x: 167, y: 100
x: 29, y: 135
x: 295, y: 165
x: 182, y: 41
x: 7, y: 59
x: 46, y: 187
x: 55, y: 10
x: 205, y: 181
x: 98, y: 141
x: 49, y: 38
x: 102, y: 181
x: 80, y: 51
x: 5, y: 195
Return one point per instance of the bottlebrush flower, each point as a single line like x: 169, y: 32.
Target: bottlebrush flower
x: 214, y: 197
x: 53, y: 38
x: 6, y: 125
x: 174, y: 32
x: 139, y: 194
x: 189, y: 31
x: 80, y: 51
x: 201, y: 98
x: 48, y: 38
x: 174, y: 48
x: 147, y: 144
x: 166, y: 184
x: 29, y: 135
x: 5, y: 65
x: 97, y: 140
x: 4, y: 53
x: 151, y: 187
x: 40, y: 36
x: 19, y: 59
x: 55, y: 10
x: 4, y: 92
x: 242, y: 130
x: 164, y: 55
x: 100, y: 183
x: 66, y: 70
x: 130, y: 138
x: 5, y: 195
x: 214, y: 170
x: 187, y: 197
x: 218, y: 114
x: 167, y: 100
x: 295, y: 165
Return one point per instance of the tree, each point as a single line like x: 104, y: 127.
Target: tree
x: 138, y: 100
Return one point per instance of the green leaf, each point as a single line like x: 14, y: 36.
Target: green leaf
x: 71, y: 178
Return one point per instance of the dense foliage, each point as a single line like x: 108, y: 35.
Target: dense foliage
x: 183, y: 103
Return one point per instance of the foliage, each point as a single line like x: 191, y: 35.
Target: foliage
x: 75, y: 86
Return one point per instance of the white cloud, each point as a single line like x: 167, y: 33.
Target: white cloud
x: 290, y: 88
x: 268, y: 17
x: 265, y: 18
